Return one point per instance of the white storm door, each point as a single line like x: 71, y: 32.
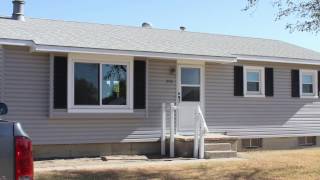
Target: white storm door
x: 189, y: 96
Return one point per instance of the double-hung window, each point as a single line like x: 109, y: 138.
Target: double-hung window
x: 254, y: 81
x: 100, y: 86
x: 308, y: 83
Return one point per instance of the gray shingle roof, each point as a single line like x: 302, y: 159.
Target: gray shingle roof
x: 101, y: 36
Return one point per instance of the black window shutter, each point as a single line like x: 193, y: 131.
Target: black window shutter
x: 238, y: 80
x: 60, y: 82
x: 139, y: 84
x: 295, y: 83
x: 269, y: 82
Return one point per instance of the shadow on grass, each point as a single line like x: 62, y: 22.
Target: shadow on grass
x: 245, y: 175
x: 202, y: 171
x: 105, y: 175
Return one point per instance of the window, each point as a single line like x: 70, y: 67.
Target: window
x: 86, y: 84
x: 308, y: 83
x: 114, y: 84
x: 190, y: 84
x: 307, y: 141
x: 254, y: 81
x: 252, y: 143
x: 100, y: 86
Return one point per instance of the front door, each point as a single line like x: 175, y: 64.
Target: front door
x: 189, y: 96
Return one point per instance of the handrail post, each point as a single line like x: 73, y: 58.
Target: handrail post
x: 172, y: 109
x: 196, y: 132
x: 163, y: 133
x: 202, y: 130
x: 201, y: 148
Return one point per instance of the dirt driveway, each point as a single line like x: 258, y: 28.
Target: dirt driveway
x: 98, y: 164
x: 262, y: 165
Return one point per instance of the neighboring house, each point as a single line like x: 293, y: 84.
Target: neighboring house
x: 87, y: 89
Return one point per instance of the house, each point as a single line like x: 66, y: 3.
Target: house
x: 88, y: 89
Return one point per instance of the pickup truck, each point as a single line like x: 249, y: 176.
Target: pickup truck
x: 16, y: 160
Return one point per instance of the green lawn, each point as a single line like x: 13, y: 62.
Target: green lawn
x: 289, y: 164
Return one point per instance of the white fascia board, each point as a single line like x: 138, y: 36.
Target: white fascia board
x: 277, y: 59
x: 16, y: 42
x: 161, y: 55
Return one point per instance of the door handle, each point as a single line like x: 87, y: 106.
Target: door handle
x: 179, y: 97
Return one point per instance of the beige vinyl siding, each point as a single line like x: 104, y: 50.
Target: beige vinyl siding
x: 280, y: 115
x: 1, y: 71
x: 27, y: 95
x: 161, y: 89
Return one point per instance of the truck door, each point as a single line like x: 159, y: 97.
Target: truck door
x: 6, y: 150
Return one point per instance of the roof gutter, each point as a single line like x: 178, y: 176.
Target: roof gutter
x: 257, y: 58
x: 161, y: 55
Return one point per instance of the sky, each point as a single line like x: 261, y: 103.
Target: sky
x: 210, y: 16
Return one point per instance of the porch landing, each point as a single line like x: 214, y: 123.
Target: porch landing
x: 216, y: 146
x: 208, y: 137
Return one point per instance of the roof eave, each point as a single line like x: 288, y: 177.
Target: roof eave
x: 258, y: 58
x: 161, y: 55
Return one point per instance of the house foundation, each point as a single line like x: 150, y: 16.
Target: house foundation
x: 95, y: 150
x: 183, y: 147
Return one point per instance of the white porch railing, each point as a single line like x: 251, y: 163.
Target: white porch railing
x: 164, y: 128
x: 173, y: 109
x: 200, y: 130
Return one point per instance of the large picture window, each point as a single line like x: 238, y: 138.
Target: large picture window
x: 100, y: 86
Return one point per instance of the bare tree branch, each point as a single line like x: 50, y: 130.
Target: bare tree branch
x: 307, y: 13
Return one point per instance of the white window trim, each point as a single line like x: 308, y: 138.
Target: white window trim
x: 101, y: 59
x: 261, y: 84
x: 314, y: 73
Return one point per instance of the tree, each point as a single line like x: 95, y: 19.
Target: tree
x: 307, y: 12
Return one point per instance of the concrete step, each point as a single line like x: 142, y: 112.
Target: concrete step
x: 220, y: 154
x: 217, y: 147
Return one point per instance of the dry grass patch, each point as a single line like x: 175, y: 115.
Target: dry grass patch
x: 289, y: 164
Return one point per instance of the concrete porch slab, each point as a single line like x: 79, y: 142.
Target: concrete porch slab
x: 184, y: 144
x: 208, y: 137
